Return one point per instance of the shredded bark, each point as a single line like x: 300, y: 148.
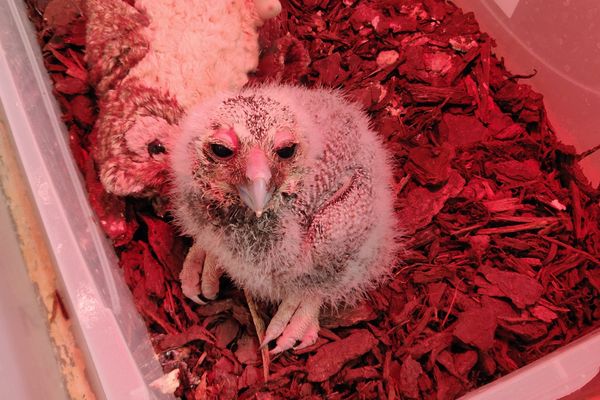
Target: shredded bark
x: 500, y: 265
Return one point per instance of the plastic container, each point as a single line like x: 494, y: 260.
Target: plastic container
x: 25, y: 346
x: 119, y: 356
x: 559, y: 40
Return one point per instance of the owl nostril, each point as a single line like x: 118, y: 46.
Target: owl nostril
x: 156, y: 147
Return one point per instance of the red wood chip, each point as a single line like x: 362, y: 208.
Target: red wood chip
x: 409, y: 378
x: 247, y: 350
x: 430, y: 166
x: 459, y: 364
x: 169, y: 250
x: 449, y: 387
x: 526, y: 330
x: 463, y: 129
x: 476, y: 327
x: 250, y: 377
x: 70, y: 85
x: 330, y: 358
x: 422, y: 204
x: 521, y: 289
x: 196, y: 332
x: 502, y: 229
x: 543, y: 313
x: 348, y: 316
x: 225, y: 332
x: 432, y: 343
x: 154, y: 281
x: 354, y: 374
x: 330, y: 70
x: 515, y: 171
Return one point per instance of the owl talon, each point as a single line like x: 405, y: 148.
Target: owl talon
x: 197, y: 300
x: 295, y: 339
x: 303, y: 326
x: 203, y: 299
x: 280, y: 320
x: 310, y: 337
x: 190, y: 273
x: 210, y: 277
x: 198, y: 262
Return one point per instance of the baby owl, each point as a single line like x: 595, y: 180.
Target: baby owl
x: 288, y: 191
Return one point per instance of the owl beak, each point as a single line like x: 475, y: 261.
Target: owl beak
x: 255, y: 195
x: 255, y: 192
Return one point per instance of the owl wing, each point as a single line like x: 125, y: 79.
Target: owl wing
x: 114, y: 43
x: 340, y: 226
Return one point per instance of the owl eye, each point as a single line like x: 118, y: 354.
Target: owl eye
x: 221, y: 151
x: 287, y: 151
x: 156, y: 147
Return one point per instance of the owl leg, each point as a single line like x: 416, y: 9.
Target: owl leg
x: 190, y: 273
x: 210, y: 277
x: 198, y: 262
x: 303, y: 326
x: 281, y: 318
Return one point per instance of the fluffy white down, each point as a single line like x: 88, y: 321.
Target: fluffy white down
x: 198, y: 47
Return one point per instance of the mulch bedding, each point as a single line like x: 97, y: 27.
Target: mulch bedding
x: 502, y: 229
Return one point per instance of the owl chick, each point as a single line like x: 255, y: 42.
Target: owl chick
x: 149, y: 61
x: 289, y: 191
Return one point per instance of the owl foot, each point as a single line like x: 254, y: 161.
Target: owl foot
x: 199, y: 262
x: 295, y: 321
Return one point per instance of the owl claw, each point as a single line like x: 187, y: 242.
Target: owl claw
x: 303, y: 326
x: 197, y: 263
x: 210, y: 277
x: 203, y: 299
x: 284, y: 313
x: 310, y: 337
x: 190, y: 273
x: 197, y: 299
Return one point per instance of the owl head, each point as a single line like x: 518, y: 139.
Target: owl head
x: 249, y: 150
x: 134, y: 130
